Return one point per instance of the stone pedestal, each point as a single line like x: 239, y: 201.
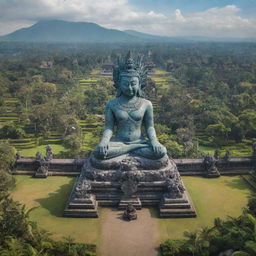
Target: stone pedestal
x: 129, y: 179
x: 177, y: 207
x: 83, y: 208
x: 41, y: 172
x: 125, y: 201
x: 211, y: 170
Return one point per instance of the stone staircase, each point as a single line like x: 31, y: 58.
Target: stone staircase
x: 177, y: 208
x: 82, y: 208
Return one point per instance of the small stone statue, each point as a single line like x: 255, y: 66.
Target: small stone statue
x: 39, y: 156
x: 18, y: 156
x: 174, y: 188
x: 83, y: 189
x: 130, y: 213
x: 128, y: 112
x: 41, y: 166
x: 42, y: 170
x: 227, y: 156
x: 210, y: 166
x: 49, y: 154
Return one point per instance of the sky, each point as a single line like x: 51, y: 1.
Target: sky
x: 214, y: 18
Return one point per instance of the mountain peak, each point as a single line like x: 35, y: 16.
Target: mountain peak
x: 67, y: 31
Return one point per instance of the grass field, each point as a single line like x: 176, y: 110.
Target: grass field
x: 222, y: 197
x: 31, y: 152
x: 212, y: 198
x: 50, y: 196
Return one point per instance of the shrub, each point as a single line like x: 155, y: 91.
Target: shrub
x: 11, y: 131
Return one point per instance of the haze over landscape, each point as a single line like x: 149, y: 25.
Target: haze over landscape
x: 72, y: 32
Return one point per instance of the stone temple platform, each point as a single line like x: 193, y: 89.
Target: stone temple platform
x: 129, y: 179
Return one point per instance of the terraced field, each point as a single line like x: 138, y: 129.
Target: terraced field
x: 30, y: 145
x: 243, y: 149
x: 9, y: 112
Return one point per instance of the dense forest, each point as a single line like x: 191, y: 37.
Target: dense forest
x: 208, y: 99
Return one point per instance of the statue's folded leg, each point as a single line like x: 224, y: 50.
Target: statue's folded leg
x: 148, y: 152
x: 118, y: 149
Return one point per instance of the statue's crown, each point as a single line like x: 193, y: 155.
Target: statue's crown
x: 129, y: 67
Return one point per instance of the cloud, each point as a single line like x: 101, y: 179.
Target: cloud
x: 119, y: 14
x: 223, y: 21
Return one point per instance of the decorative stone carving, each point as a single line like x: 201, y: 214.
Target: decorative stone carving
x: 210, y: 166
x: 114, y: 169
x: 174, y: 187
x: 39, y: 156
x: 41, y: 166
x: 130, y: 213
x: 129, y: 182
x: 227, y: 156
x: 83, y: 189
x: 49, y: 154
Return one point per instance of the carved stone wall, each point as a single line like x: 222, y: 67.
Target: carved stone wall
x: 186, y: 167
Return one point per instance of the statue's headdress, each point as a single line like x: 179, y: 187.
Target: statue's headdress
x: 129, y: 67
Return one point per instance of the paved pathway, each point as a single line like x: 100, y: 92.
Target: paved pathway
x: 124, y: 238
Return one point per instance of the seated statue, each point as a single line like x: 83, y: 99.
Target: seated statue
x: 125, y: 115
x: 130, y: 213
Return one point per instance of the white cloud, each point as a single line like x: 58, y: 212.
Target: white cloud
x: 179, y: 17
x: 218, y: 21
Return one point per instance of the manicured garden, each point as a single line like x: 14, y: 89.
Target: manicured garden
x: 225, y: 196
x: 212, y: 198
x: 49, y: 197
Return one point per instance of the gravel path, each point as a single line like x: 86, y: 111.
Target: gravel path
x: 135, y: 238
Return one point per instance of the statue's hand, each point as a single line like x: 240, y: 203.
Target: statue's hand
x: 157, y: 147
x: 103, y: 148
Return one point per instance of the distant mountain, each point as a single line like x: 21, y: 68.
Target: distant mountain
x: 148, y: 37
x: 217, y: 39
x: 64, y: 31
x: 87, y: 32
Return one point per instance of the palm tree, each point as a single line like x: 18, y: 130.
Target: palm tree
x: 14, y: 248
x: 70, y: 240
x: 192, y: 242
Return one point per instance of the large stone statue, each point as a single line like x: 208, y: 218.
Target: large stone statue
x: 128, y: 112
x: 129, y: 167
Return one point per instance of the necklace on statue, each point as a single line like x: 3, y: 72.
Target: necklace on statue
x: 130, y: 106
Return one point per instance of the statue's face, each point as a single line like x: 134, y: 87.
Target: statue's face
x: 129, y: 85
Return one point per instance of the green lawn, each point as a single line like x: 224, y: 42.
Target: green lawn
x: 221, y: 197
x: 206, y: 149
x: 50, y: 197
x: 31, y: 152
x: 212, y: 198
x: 160, y: 71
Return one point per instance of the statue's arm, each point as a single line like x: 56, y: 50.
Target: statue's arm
x: 149, y: 123
x: 109, y: 125
x: 107, y: 134
x: 150, y: 130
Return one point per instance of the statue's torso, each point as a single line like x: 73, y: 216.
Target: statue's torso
x: 128, y: 120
